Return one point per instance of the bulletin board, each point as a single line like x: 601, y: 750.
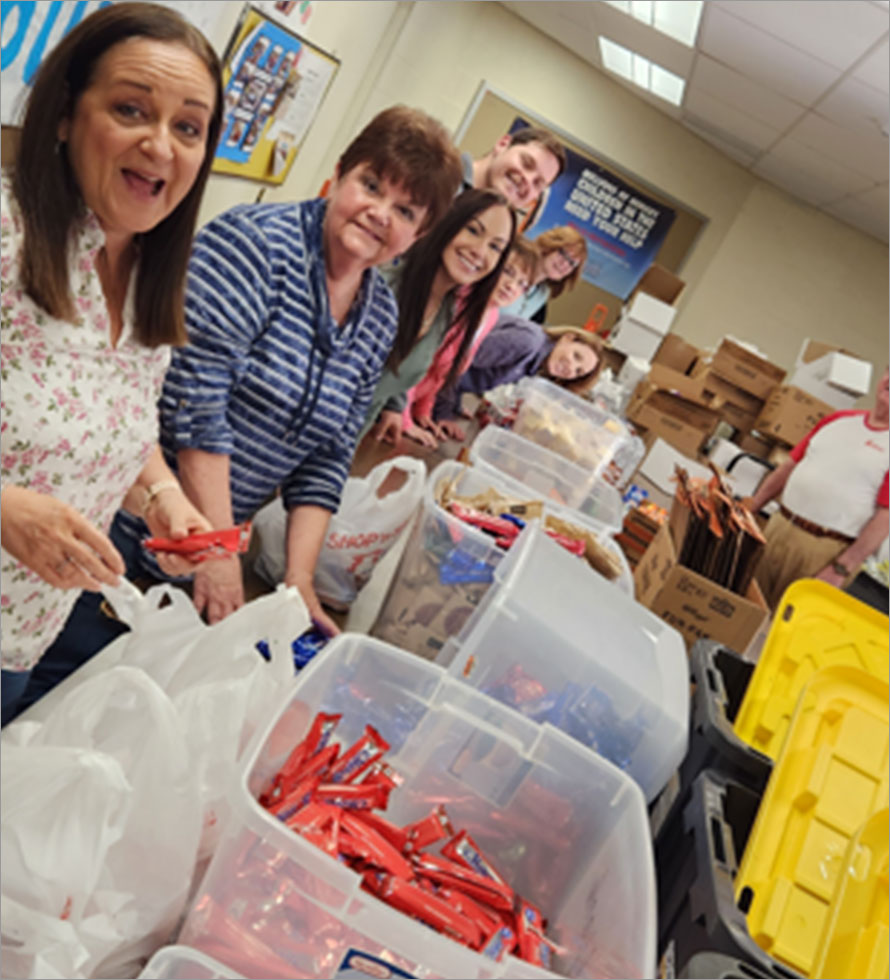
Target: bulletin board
x: 274, y: 84
x: 492, y: 114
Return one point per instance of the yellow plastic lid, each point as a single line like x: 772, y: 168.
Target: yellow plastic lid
x: 816, y: 626
x: 854, y: 940
x: 830, y: 777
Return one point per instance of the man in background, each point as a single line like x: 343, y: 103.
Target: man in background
x: 521, y: 166
x: 833, y: 505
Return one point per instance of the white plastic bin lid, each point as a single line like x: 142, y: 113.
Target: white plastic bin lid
x: 606, y: 670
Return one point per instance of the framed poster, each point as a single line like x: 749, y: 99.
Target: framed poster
x: 274, y: 83
x: 624, y: 228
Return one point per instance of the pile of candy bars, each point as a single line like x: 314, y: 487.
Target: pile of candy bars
x: 503, y: 518
x: 330, y: 797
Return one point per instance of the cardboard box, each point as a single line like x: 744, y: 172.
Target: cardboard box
x: 677, y: 354
x: 789, y: 414
x: 755, y: 444
x: 692, y: 604
x: 726, y: 393
x: 684, y: 424
x: 836, y: 378
x: 748, y: 371
x: 661, y: 283
x: 669, y: 379
x: 635, y: 339
x: 651, y: 312
x: 812, y: 350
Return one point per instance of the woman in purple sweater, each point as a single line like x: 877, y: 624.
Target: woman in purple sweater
x: 518, y: 348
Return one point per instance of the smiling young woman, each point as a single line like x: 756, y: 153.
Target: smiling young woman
x: 464, y: 252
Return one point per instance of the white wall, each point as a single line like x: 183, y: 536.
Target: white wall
x: 766, y: 268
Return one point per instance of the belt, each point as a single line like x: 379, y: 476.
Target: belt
x: 815, y: 529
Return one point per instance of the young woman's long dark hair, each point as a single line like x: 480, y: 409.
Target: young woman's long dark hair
x: 421, y: 263
x: 48, y: 195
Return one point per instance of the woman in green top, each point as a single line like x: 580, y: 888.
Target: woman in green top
x: 462, y: 255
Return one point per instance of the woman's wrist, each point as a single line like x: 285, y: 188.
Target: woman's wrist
x: 154, y: 490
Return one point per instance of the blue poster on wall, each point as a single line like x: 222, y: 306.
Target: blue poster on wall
x: 623, y: 228
x: 261, y: 67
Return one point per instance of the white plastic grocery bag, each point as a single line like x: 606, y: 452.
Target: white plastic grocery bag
x: 220, y: 686
x: 100, y: 822
x: 365, y: 527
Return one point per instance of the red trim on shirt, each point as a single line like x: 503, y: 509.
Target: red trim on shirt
x: 883, y: 498
x: 797, y: 454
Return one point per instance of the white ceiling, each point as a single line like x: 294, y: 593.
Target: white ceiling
x: 796, y: 91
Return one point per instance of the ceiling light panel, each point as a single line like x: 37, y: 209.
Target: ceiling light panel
x: 641, y: 72
x: 678, y: 19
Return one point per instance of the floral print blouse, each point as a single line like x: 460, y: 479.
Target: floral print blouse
x: 78, y: 417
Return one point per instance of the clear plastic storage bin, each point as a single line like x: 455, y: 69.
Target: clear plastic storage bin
x: 529, y: 467
x: 447, y: 565
x: 554, y: 641
x: 567, y: 830
x: 569, y: 425
x: 185, y: 963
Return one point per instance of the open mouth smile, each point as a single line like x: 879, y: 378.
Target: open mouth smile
x: 144, y: 184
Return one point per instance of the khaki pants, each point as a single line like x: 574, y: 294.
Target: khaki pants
x: 791, y: 553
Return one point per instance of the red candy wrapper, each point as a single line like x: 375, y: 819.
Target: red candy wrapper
x: 366, y: 751
x: 360, y: 840
x: 431, y: 909
x: 359, y: 796
x: 499, y: 942
x: 292, y: 790
x: 384, y: 774
x: 575, y: 545
x: 450, y: 873
x: 498, y: 526
x: 463, y: 849
x: 389, y: 831
x: 204, y: 544
x: 316, y: 740
x: 530, y: 935
x: 434, y: 827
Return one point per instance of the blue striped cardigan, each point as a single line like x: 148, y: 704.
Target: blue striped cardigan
x: 268, y: 377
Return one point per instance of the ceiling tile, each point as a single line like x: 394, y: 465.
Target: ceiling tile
x: 730, y: 150
x: 864, y: 150
x: 838, y: 32
x: 727, y: 122
x: 809, y: 174
x: 763, y: 58
x: 874, y: 69
x: 737, y: 90
x: 855, y: 105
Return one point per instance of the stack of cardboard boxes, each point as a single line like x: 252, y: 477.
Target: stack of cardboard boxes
x: 685, y: 395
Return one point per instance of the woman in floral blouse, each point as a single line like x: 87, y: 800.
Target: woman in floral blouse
x: 97, y: 222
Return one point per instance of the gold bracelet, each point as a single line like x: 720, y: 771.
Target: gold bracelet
x: 156, y: 488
